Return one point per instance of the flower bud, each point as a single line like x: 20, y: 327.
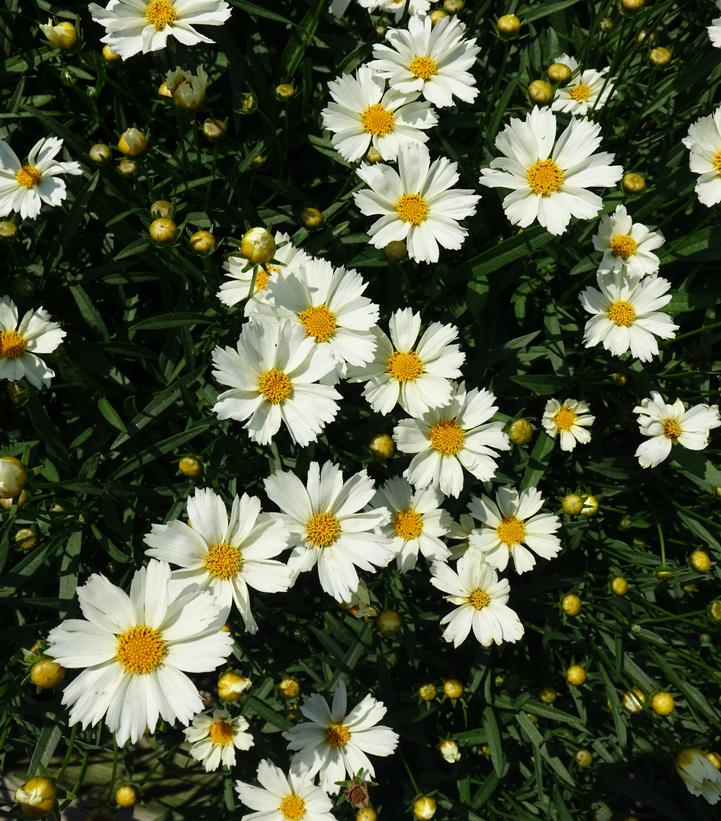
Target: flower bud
x: 12, y: 477
x: 508, y: 25
x: 289, y: 688
x: 424, y: 808
x: 662, y: 703
x: 714, y: 610
x: 127, y: 167
x: 633, y: 182
x: 453, y: 6
x: 571, y: 604
x: 452, y: 688
x: 664, y: 573
x: 633, y: 5
x: 584, y: 758
x: 164, y: 91
x: 700, y: 561
x: 619, y: 378
x: 437, y: 15
x: 366, y: 814
x: 660, y: 56
x: 388, y: 623
x: 126, y: 796
x: 36, y: 796
x: 62, y: 35
x: 163, y: 230
x: 109, y: 55
x: 382, y: 446
x: 396, y: 250
x: 6, y: 504
x: 258, y: 246
x: 572, y: 504
x: 248, y: 103
x: 284, y: 92
x: 590, y: 505
x: 187, y: 89
x: 190, y: 467
x: 606, y: 24
x: 46, y: 674
x: 100, y: 153
x: 161, y: 208
x: 520, y: 431
x: 427, y: 691
x: 559, y: 73
x: 548, y: 695
x: 576, y: 675
x: 26, y: 538
x: 619, y: 586
x: 132, y: 142
x: 232, y: 685
x: 258, y: 162
x: 311, y: 218
x: 202, y: 242
x: 634, y: 700
x: 214, y: 129
x: 8, y: 229
x: 449, y: 751
x: 540, y: 91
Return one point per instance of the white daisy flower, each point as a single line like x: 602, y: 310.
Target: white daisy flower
x: 481, y: 602
x: 668, y: 425
x: 24, y: 188
x: 627, y: 246
x: 698, y: 773
x: 445, y: 440
x: 415, y: 374
x: 569, y: 421
x: 281, y: 797
x: 416, y: 203
x: 136, y: 650
x: 626, y: 316
x: 133, y: 26
x: 550, y: 177
x: 704, y: 143
x: 364, y: 113
x: 398, y: 7
x: 334, y: 742
x: 434, y: 60
x: 225, y: 555
x: 714, y: 30
x: 588, y: 91
x: 21, y: 340
x: 215, y: 738
x: 273, y: 378
x: 417, y: 522
x: 513, y: 528
x: 459, y: 532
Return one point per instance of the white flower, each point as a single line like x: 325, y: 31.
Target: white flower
x: 136, y: 650
x: 281, y: 797
x: 481, y: 602
x: 513, y: 528
x: 21, y: 340
x: 273, y: 377
x: 215, y: 738
x: 704, y: 143
x: 186, y: 88
x: 416, y: 203
x: 415, y: 375
x: 326, y: 526
x: 334, y: 742
x: 434, y: 60
x: 570, y: 420
x: 24, y: 188
x: 567, y: 60
x: 626, y: 316
x: 398, y: 7
x: 133, y: 26
x: 698, y: 773
x: 587, y: 92
x: 714, y: 30
x: 668, y: 425
x: 627, y: 246
x: 550, y: 177
x: 364, y: 113
x: 226, y: 556
x: 445, y: 440
x: 417, y: 522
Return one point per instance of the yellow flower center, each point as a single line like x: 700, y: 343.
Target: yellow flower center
x: 423, y: 67
x: 479, y: 598
x: 377, y: 121
x: 28, y: 176
x: 322, y: 529
x: 337, y: 735
x: 408, y: 524
x: 622, y: 313
x: 405, y: 366
x: 672, y: 429
x: 292, y: 808
x: 717, y: 162
x: 140, y: 650
x: 160, y: 13
x: 565, y: 418
x: 623, y: 245
x: 221, y: 733
x: 581, y: 93
x: 447, y: 437
x: 545, y: 177
x: 223, y: 560
x: 412, y: 208
x: 319, y: 322
x: 12, y: 344
x: 275, y: 386
x: 511, y: 531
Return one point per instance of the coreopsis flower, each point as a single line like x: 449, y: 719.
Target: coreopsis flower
x: 704, y: 143
x: 550, y: 177
x: 215, y: 738
x: 714, y: 30
x: 334, y: 742
x: 588, y: 91
x: 273, y: 377
x: 569, y: 421
x: 698, y: 773
x: 481, y: 602
x: 24, y: 188
x: 284, y: 797
x: 136, y: 650
x: 416, y: 203
x: 329, y: 527
x: 415, y: 374
x: 434, y: 60
x: 398, y: 7
x: 417, y: 522
x: 21, y: 340
x: 134, y: 26
x: 626, y: 315
x: 226, y: 555
x: 187, y: 89
x: 627, y: 246
x: 448, y: 439
x: 513, y: 528
x: 667, y: 425
x: 363, y: 114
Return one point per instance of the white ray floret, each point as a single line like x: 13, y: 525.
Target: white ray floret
x: 215, y: 737
x: 21, y: 342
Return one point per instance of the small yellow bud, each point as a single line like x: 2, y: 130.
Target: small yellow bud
x: 259, y: 161
x: 62, y: 36
x: 572, y: 504
x: 164, y: 91
x: 190, y: 467
x: 660, y: 56
x: 8, y: 229
x: 453, y: 6
x: 161, y: 208
x: 590, y: 505
x: 36, y: 796
x: 214, y: 129
x: 520, y: 431
x: 388, y: 623
x: 289, y: 688
x: 548, y: 695
x: 449, y: 751
x: 311, y: 218
x: 664, y: 573
x: 100, y: 153
x: 12, y: 477
x: 373, y: 155
x: 127, y: 167
x: 202, y: 242
x: 633, y: 5
x: 258, y: 246
x: 109, y: 55
x: 606, y: 24
x: 576, y: 675
x: 452, y: 688
x: 532, y: 718
x: 540, y: 91
x: 584, y: 758
x: 46, y: 674
x: 619, y: 586
x: 132, y: 142
x: 126, y: 796
x: 366, y: 814
x: 634, y: 700
x: 248, y: 103
x: 26, y: 538
x: 163, y: 230
x: 662, y: 703
x: 424, y: 808
x: 571, y: 604
x: 559, y: 73
x: 437, y: 15
x: 633, y: 182
x: 186, y: 88
x: 284, y: 92
x: 427, y: 691
x: 382, y: 446
x: 647, y: 37
x: 690, y: 587
x: 700, y: 561
x: 619, y: 378
x: 232, y: 685
x: 717, y: 491
x: 396, y: 250
x: 714, y: 758
x: 508, y: 25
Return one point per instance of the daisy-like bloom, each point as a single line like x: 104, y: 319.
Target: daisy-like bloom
x: 704, y: 143
x: 434, y: 60
x: 550, y: 177
x: 134, y: 26
x: 136, y: 650
x: 215, y: 738
x: 335, y: 742
x: 413, y: 373
x: 187, y: 89
x: 698, y: 773
x: 21, y: 340
x: 626, y: 316
x: 416, y: 203
x: 714, y: 30
x: 327, y: 528
x: 281, y: 797
x: 569, y: 421
x: 481, y: 602
x: 417, y: 522
x: 24, y: 188
x: 588, y: 91
x: 627, y: 246
x: 668, y: 425
x: 448, y: 439
x: 513, y: 528
x: 273, y: 377
x: 225, y: 555
x: 364, y: 113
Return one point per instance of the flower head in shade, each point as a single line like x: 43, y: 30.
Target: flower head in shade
x: 569, y: 421
x: 704, y: 143
x: 714, y: 30
x: 186, y: 88
x: 627, y: 246
x: 21, y: 342
x: 398, y: 7
x: 588, y: 91
x: 698, y: 773
x: 215, y: 737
